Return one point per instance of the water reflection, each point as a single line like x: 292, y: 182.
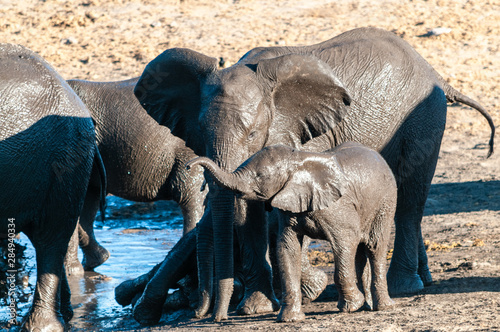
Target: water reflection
x: 138, y: 236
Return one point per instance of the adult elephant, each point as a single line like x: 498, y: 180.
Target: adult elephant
x: 365, y: 85
x: 47, y: 153
x: 144, y: 163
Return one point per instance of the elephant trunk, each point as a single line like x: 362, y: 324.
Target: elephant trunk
x: 222, y: 208
x: 232, y: 181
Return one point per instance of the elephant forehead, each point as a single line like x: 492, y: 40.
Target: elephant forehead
x: 233, y: 98
x: 238, y: 80
x: 272, y: 157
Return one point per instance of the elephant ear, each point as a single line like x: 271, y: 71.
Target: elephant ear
x: 170, y: 91
x: 313, y: 186
x: 308, y: 98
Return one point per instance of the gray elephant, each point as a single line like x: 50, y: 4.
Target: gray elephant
x: 144, y: 162
x: 346, y: 196
x: 47, y: 155
x: 149, y: 293
x: 365, y: 85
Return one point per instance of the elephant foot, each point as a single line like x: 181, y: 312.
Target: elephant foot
x: 94, y: 257
x: 127, y: 290
x: 425, y: 275
x: 147, y: 311
x: 291, y: 314
x: 177, y: 300
x: 313, y: 283
x: 203, y: 305
x: 205, y: 299
x: 258, y: 303
x: 74, y: 269
x: 184, y: 297
x: 403, y: 283
x: 42, y: 320
x: 384, y: 304
x: 351, y: 303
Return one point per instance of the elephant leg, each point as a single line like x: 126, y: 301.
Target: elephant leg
x: 363, y: 274
x: 313, y: 280
x: 179, y: 261
x: 65, y: 295
x: 350, y: 297
x: 377, y: 254
x: 273, y: 226
x: 289, y: 255
x: 409, y: 257
x: 129, y: 289
x: 205, y: 259
x: 403, y: 275
x: 72, y: 265
x: 93, y: 253
x: 45, y: 313
x: 345, y: 244
x: 414, y: 172
x: 381, y: 299
x: 253, y: 236
x: 423, y: 265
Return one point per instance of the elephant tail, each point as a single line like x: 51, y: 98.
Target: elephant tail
x: 453, y: 95
x: 102, y: 177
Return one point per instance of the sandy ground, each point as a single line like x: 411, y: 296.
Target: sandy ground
x: 114, y: 39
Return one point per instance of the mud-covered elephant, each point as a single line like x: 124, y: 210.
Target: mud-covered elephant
x: 366, y: 85
x: 346, y: 195
x: 144, y: 162
x: 47, y: 155
x: 149, y: 293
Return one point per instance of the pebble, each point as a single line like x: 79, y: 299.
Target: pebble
x: 69, y: 41
x: 438, y: 31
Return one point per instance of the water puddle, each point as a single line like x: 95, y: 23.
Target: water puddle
x: 138, y: 236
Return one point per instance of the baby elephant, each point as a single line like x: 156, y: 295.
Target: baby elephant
x: 346, y: 196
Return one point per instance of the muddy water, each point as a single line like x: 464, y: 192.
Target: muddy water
x: 138, y: 236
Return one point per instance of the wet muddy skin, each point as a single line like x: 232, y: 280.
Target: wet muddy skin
x: 138, y: 236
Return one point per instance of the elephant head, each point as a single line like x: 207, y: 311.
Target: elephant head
x: 230, y: 114
x: 290, y: 180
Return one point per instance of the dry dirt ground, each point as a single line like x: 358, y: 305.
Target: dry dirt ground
x: 114, y: 39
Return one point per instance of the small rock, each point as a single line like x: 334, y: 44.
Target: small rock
x: 155, y: 24
x: 468, y: 266
x: 69, y: 41
x: 85, y: 60
x: 92, y: 15
x: 439, y: 31
x: 173, y: 24
x: 436, y: 32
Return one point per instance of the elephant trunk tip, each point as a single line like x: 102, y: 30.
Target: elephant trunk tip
x: 193, y: 162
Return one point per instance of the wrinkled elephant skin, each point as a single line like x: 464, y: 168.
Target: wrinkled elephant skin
x: 47, y: 153
x: 366, y: 85
x: 346, y: 196
x: 144, y: 162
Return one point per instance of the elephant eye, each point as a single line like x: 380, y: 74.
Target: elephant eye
x: 252, y: 135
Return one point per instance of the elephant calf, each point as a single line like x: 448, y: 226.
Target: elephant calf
x: 346, y: 195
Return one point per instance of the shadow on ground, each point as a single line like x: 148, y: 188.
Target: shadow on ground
x: 464, y: 285
x: 446, y: 198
